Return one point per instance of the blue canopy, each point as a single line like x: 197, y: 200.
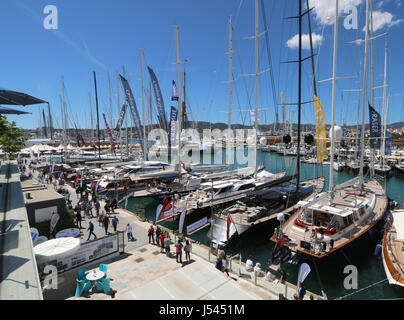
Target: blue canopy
x: 8, y: 97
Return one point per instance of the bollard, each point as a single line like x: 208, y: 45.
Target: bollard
x: 255, y: 277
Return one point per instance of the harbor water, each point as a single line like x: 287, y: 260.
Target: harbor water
x: 324, y: 276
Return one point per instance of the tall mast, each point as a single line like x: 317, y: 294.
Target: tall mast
x: 119, y: 112
x: 143, y: 110
x: 331, y: 186
x: 126, y: 120
x: 183, y: 112
x: 228, y: 153
x: 365, y: 73
x: 179, y: 99
x: 299, y: 97
x: 91, y: 116
x: 256, y: 89
x: 283, y: 114
x: 64, y: 114
x: 98, y: 117
x: 110, y: 100
x: 385, y: 105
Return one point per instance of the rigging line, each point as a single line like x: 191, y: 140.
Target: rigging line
x: 318, y: 274
x: 367, y: 287
x: 274, y: 95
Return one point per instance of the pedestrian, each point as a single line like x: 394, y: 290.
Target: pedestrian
x: 161, y: 239
x: 114, y: 205
x: 167, y: 243
x: 219, y: 264
x: 90, y: 209
x: 86, y: 209
x: 129, y: 232
x: 115, y: 222
x: 301, y: 291
x: 284, y: 275
x: 226, y: 266
x: 178, y: 250
x: 91, y: 231
x: 105, y: 222
x: 78, y: 192
x: 158, y: 233
x: 150, y: 233
x: 187, y: 249
x: 221, y: 254
x: 78, y: 219
x: 107, y: 208
x: 97, y: 207
x: 50, y: 179
x: 100, y: 219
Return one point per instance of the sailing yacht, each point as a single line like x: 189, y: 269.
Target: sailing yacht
x: 392, y: 249
x: 339, y: 218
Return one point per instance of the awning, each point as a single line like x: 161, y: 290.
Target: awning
x: 8, y: 97
x: 12, y: 111
x: 398, y: 221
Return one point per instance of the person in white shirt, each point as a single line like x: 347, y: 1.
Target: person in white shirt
x: 129, y: 232
x: 268, y: 274
x: 257, y: 269
x: 249, y: 265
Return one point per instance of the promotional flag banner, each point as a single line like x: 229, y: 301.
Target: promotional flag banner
x: 389, y: 143
x: 375, y: 128
x: 228, y: 226
x: 174, y: 96
x: 182, y: 219
x: 159, y: 100
x: 321, y: 134
x: 172, y: 132
x: 218, y: 235
x: 111, y: 139
x: 133, y: 108
x: 54, y: 220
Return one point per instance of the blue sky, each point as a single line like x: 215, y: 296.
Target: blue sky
x: 105, y: 35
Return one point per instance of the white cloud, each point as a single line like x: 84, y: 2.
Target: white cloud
x: 325, y: 9
x: 293, y: 42
x: 383, y: 19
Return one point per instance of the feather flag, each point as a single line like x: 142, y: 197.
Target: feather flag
x: 228, y: 226
x: 174, y: 96
x: 375, y: 128
x: 321, y: 135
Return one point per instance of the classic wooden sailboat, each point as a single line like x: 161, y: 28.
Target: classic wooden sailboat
x: 334, y: 220
x: 393, y: 249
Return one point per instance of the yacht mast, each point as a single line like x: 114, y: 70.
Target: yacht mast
x: 365, y: 73
x: 143, y: 110
x: 331, y: 186
x: 229, y: 144
x: 385, y: 106
x: 119, y: 113
x: 179, y: 100
x: 256, y: 89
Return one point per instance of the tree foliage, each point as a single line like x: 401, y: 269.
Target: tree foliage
x: 12, y: 139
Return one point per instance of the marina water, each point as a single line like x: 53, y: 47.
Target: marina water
x: 326, y: 276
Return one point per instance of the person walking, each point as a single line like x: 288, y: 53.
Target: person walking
x: 301, y: 291
x: 50, y: 178
x: 226, y: 266
x: 187, y: 249
x: 178, y: 250
x: 150, y: 233
x: 91, y: 231
x: 100, y: 219
x: 158, y: 233
x: 90, y: 209
x: 161, y: 239
x: 78, y: 219
x: 97, y: 208
x: 115, y: 222
x: 114, y: 205
x: 105, y: 222
x: 107, y: 208
x: 167, y: 243
x: 129, y: 232
x: 78, y: 192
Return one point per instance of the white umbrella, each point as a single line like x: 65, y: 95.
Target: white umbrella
x: 73, y: 232
x: 55, y: 249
